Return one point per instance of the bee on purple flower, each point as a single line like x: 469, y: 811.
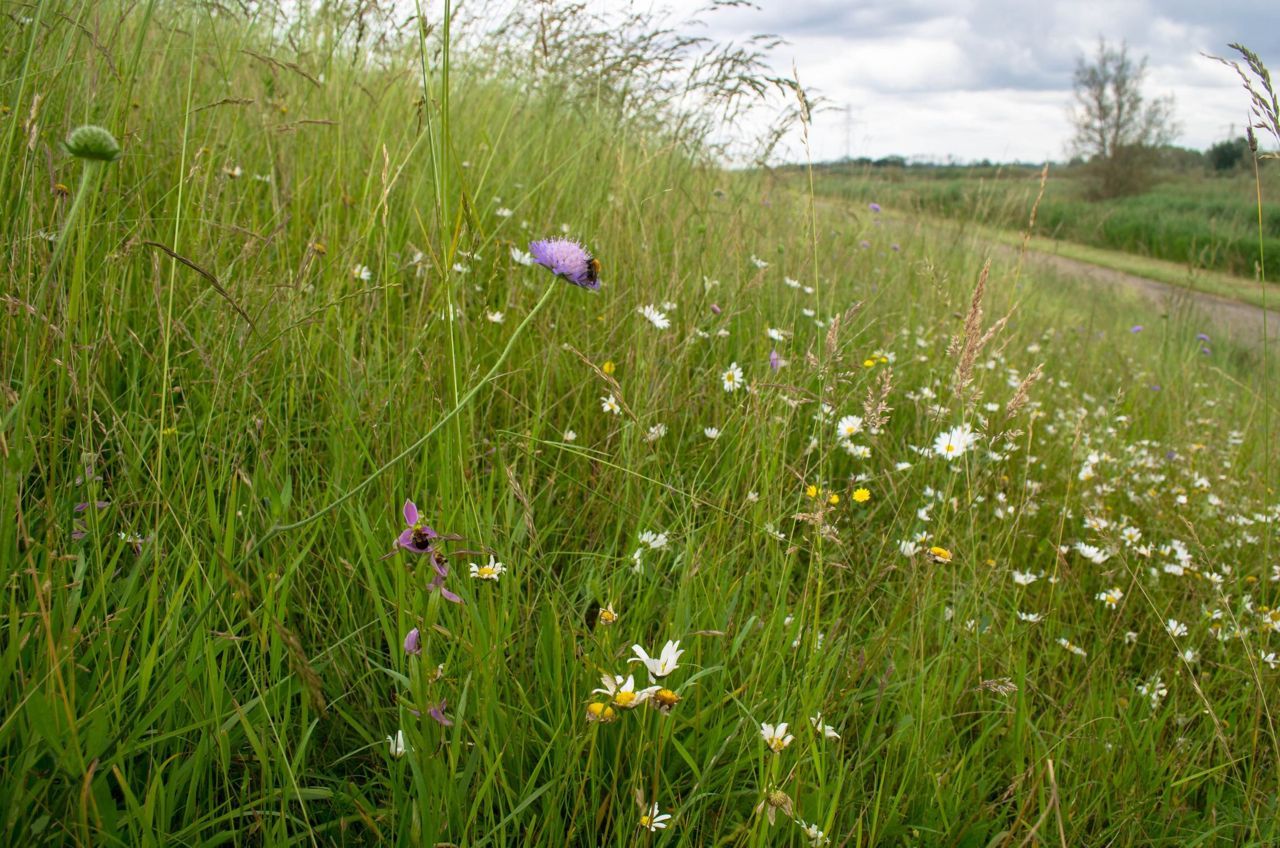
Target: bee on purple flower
x: 569, y: 260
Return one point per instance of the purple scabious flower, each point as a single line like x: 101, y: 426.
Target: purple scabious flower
x: 874, y: 207
x: 417, y: 537
x: 568, y: 260
x: 1203, y: 337
x: 1136, y: 328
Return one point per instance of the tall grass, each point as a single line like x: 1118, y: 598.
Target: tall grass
x: 294, y: 274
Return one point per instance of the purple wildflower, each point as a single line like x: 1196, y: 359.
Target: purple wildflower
x: 1136, y: 328
x: 1205, y: 351
x: 413, y: 642
x: 567, y: 259
x: 874, y: 207
x: 442, y: 571
x: 895, y: 247
x: 437, y: 713
x: 775, y: 361
x: 417, y: 537
x: 715, y: 309
x: 1202, y: 337
x: 864, y: 244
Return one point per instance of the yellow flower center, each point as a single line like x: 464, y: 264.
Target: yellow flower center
x: 624, y: 699
x: 600, y: 712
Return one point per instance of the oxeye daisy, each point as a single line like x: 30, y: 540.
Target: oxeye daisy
x: 1111, y: 597
x: 622, y: 691
x: 610, y: 404
x: 491, y: 571
x: 651, y: 314
x: 849, y: 426
x: 661, y: 665
x: 652, y: 820
x: 827, y: 731
x: 953, y: 443
x: 732, y: 378
x: 568, y: 260
x: 776, y: 736
x: 664, y: 700
x: 601, y: 712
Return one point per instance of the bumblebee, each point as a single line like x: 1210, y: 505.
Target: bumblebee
x: 593, y: 271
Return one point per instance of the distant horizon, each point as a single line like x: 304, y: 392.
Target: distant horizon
x: 994, y: 79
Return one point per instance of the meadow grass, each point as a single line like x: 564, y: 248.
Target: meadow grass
x: 1205, y: 224
x: 305, y: 265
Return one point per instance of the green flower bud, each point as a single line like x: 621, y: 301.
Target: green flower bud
x: 94, y: 143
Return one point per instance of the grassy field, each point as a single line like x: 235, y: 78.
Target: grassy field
x: 1199, y: 221
x: 1003, y: 563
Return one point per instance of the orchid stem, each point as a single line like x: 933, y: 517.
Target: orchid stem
x: 458, y: 407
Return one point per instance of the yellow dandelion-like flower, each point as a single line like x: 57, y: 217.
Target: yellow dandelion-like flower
x: 811, y: 491
x: 608, y: 367
x: 833, y: 499
x: 862, y: 495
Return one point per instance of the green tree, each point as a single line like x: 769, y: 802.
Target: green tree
x: 1116, y: 127
x: 1226, y: 155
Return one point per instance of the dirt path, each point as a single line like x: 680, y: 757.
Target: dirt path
x: 1242, y: 322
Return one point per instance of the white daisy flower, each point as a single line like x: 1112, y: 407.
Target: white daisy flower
x: 610, y: 404
x: 492, y: 571
x: 661, y: 665
x: 776, y: 737
x: 651, y: 314
x: 827, y: 731
x: 954, y: 442
x: 849, y: 426
x: 732, y: 378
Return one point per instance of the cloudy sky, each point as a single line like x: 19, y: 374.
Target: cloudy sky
x: 992, y: 78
